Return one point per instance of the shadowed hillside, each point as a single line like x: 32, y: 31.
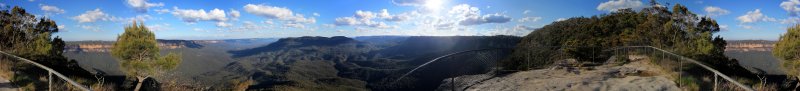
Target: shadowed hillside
x: 341, y: 63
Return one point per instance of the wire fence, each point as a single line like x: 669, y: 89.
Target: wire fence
x: 443, y: 72
x: 29, y: 75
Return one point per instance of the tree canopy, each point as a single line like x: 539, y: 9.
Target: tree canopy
x: 138, y: 53
x: 26, y: 35
x: 584, y: 38
x: 788, y: 50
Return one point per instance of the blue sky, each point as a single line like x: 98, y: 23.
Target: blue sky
x: 233, y: 19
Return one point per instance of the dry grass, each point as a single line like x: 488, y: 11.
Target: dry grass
x: 726, y: 86
x: 767, y: 87
x: 102, y: 87
x: 173, y: 82
x: 239, y: 85
x: 5, y: 68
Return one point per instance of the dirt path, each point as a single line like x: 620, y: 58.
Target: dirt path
x: 5, y: 85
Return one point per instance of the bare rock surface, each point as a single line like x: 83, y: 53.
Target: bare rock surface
x: 633, y: 76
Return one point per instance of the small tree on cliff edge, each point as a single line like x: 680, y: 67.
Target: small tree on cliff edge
x: 138, y: 53
x: 788, y: 50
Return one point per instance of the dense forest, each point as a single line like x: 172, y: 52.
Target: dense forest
x: 678, y: 30
x: 30, y: 37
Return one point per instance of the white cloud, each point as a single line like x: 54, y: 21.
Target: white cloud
x: 723, y: 27
x: 381, y: 25
x: 329, y: 25
x: 142, y: 5
x: 268, y: 22
x: 464, y: 11
x: 409, y: 2
x: 98, y: 15
x: 315, y: 14
x: 295, y: 25
x: 91, y: 16
x: 791, y: 6
x: 90, y: 28
x: 247, y: 26
x: 754, y: 16
x: 135, y: 18
x: 715, y: 11
x: 491, y: 18
x: 51, y: 9
x: 364, y: 15
x: 280, y: 13
x: 234, y: 14
x: 790, y: 20
x: 62, y: 28
x: 468, y: 15
x: 346, y: 21
x: 526, y: 12
x: 561, y: 19
x: 192, y: 16
x: 389, y: 17
x: 162, y: 11
x: 746, y: 26
x: 529, y: 19
x: 223, y: 24
x: 368, y: 18
x: 199, y: 30
x: 615, y: 5
x: 159, y: 27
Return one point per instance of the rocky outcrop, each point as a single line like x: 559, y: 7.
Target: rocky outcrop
x: 634, y: 76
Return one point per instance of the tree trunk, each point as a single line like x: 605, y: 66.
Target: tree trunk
x: 797, y: 84
x: 139, y: 84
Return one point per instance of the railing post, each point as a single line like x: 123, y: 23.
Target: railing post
x: 715, y: 82
x: 49, y: 81
x: 49, y: 71
x: 453, y: 83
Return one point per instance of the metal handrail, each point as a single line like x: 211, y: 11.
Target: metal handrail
x: 717, y: 73
x: 437, y: 58
x: 49, y: 70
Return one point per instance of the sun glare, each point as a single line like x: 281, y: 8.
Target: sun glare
x: 434, y: 4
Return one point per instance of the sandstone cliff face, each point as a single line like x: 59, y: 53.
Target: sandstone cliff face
x: 105, y: 46
x: 749, y: 45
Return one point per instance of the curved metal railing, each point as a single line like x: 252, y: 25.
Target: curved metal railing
x: 440, y: 57
x: 683, y: 58
x: 50, y: 71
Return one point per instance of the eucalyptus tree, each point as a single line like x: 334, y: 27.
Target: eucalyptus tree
x: 138, y: 53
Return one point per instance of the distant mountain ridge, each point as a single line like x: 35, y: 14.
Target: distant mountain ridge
x: 295, y: 42
x: 105, y: 46
x: 360, y: 63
